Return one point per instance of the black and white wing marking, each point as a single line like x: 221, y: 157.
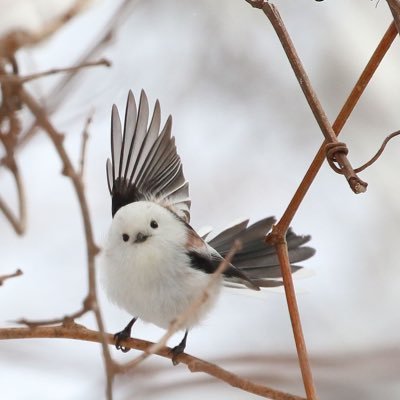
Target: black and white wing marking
x: 206, y: 259
x: 144, y: 163
x: 256, y: 259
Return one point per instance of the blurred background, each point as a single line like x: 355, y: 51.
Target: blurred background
x: 246, y: 137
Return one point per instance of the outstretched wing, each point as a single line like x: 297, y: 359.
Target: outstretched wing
x: 256, y: 259
x: 144, y: 163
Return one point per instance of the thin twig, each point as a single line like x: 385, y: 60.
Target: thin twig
x: 23, y: 79
x: 79, y: 332
x: 85, y: 137
x: 18, y: 223
x: 179, y: 322
x: 54, y: 321
x: 92, y: 249
x: 356, y: 184
x: 3, y: 278
x: 60, y: 91
x: 379, y: 152
x: 17, y: 38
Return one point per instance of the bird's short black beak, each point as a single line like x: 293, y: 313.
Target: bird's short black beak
x: 140, y: 238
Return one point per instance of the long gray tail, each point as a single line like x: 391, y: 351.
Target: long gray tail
x: 258, y: 260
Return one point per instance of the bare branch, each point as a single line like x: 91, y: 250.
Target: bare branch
x: 58, y: 94
x: 356, y: 184
x: 3, y: 278
x: 79, y: 332
x: 23, y: 79
x: 18, y: 223
x: 67, y: 318
x: 92, y: 249
x: 85, y: 137
x: 18, y: 38
x: 347, y: 109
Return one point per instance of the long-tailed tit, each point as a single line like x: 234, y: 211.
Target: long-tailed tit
x: 154, y: 264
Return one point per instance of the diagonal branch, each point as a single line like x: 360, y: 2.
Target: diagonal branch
x: 277, y: 236
x: 338, y: 125
x: 356, y: 184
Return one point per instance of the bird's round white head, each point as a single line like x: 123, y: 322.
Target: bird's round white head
x: 144, y: 224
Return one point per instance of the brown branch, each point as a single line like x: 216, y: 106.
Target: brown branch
x: 277, y: 237
x: 179, y: 322
x: 9, y: 107
x: 16, y: 79
x: 352, y: 100
x: 58, y: 94
x: 18, y: 223
x: 284, y: 262
x: 92, y: 249
x: 18, y: 38
x: 356, y: 184
x: 79, y: 332
x: 3, y: 278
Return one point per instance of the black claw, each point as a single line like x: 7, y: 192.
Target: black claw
x: 119, y: 337
x: 123, y: 335
x: 177, y: 350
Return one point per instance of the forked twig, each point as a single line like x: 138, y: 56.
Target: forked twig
x: 282, y: 226
x: 277, y: 236
x: 58, y: 94
x: 356, y: 184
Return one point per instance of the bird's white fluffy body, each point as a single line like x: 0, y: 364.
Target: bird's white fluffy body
x: 152, y: 280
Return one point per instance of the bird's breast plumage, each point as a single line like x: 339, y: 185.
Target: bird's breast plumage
x: 154, y: 281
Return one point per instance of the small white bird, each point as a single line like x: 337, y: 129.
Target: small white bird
x: 154, y: 264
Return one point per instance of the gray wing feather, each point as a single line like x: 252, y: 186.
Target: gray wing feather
x: 257, y: 259
x: 144, y: 163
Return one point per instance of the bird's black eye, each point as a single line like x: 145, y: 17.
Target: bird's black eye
x: 125, y: 237
x: 153, y: 224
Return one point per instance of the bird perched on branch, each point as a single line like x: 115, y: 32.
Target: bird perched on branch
x: 154, y: 264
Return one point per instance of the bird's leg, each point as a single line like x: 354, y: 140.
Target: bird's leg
x: 179, y: 349
x: 124, y: 334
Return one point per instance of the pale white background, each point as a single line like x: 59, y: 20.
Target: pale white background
x: 246, y: 137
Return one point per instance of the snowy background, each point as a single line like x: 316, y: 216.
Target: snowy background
x: 246, y: 137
